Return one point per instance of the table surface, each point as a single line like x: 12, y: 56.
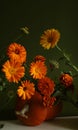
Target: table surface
x: 59, y: 123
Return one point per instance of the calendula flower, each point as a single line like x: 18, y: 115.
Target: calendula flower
x: 46, y: 86
x: 17, y: 52
x: 26, y: 90
x: 13, y: 70
x: 50, y: 38
x: 38, y: 69
x: 40, y: 58
x: 66, y: 80
x: 48, y: 101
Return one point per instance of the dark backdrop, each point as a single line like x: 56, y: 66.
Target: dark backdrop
x: 38, y: 16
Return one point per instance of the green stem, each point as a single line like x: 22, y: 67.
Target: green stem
x: 67, y: 58
x: 25, y: 30
x: 19, y: 37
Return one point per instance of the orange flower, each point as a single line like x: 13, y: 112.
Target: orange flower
x: 66, y: 80
x: 13, y: 71
x: 40, y: 58
x: 46, y: 86
x: 50, y: 38
x: 26, y: 90
x: 38, y: 69
x: 17, y: 52
x: 48, y: 101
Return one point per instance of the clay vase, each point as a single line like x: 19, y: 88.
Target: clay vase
x: 36, y: 112
x: 54, y: 111
x: 33, y: 113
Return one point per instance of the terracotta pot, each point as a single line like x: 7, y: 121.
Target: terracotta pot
x: 33, y: 113
x: 54, y: 111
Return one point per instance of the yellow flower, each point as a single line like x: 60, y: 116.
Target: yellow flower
x: 26, y: 90
x: 38, y: 69
x: 50, y: 38
x: 17, y: 52
x: 13, y: 71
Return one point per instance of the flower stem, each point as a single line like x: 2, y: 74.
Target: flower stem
x: 25, y: 30
x: 67, y: 58
x: 19, y: 37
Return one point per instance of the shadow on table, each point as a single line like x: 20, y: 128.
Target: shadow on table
x: 70, y: 123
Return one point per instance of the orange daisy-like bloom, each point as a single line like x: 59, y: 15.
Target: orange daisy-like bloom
x: 50, y: 38
x: 46, y: 86
x: 38, y: 69
x: 17, y: 52
x: 48, y: 101
x: 40, y: 58
x: 26, y: 90
x: 13, y: 71
x: 66, y: 80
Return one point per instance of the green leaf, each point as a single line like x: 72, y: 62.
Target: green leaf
x: 1, y: 87
x: 57, y: 93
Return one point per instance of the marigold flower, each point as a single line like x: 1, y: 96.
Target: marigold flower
x: 66, y: 80
x: 38, y: 69
x: 17, y: 52
x: 50, y: 38
x: 40, y: 58
x: 46, y: 86
x: 26, y: 90
x: 13, y: 70
x: 48, y: 101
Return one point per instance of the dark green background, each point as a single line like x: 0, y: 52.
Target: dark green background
x: 39, y: 15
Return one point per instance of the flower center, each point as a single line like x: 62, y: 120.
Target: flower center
x: 25, y: 88
x: 37, y: 70
x: 12, y: 71
x: 17, y: 51
x: 50, y: 39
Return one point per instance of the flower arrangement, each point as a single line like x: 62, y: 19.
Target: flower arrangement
x: 26, y: 79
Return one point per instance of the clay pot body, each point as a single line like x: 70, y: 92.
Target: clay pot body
x: 54, y: 111
x: 33, y: 113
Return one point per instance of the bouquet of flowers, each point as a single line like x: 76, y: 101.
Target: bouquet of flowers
x: 23, y: 80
